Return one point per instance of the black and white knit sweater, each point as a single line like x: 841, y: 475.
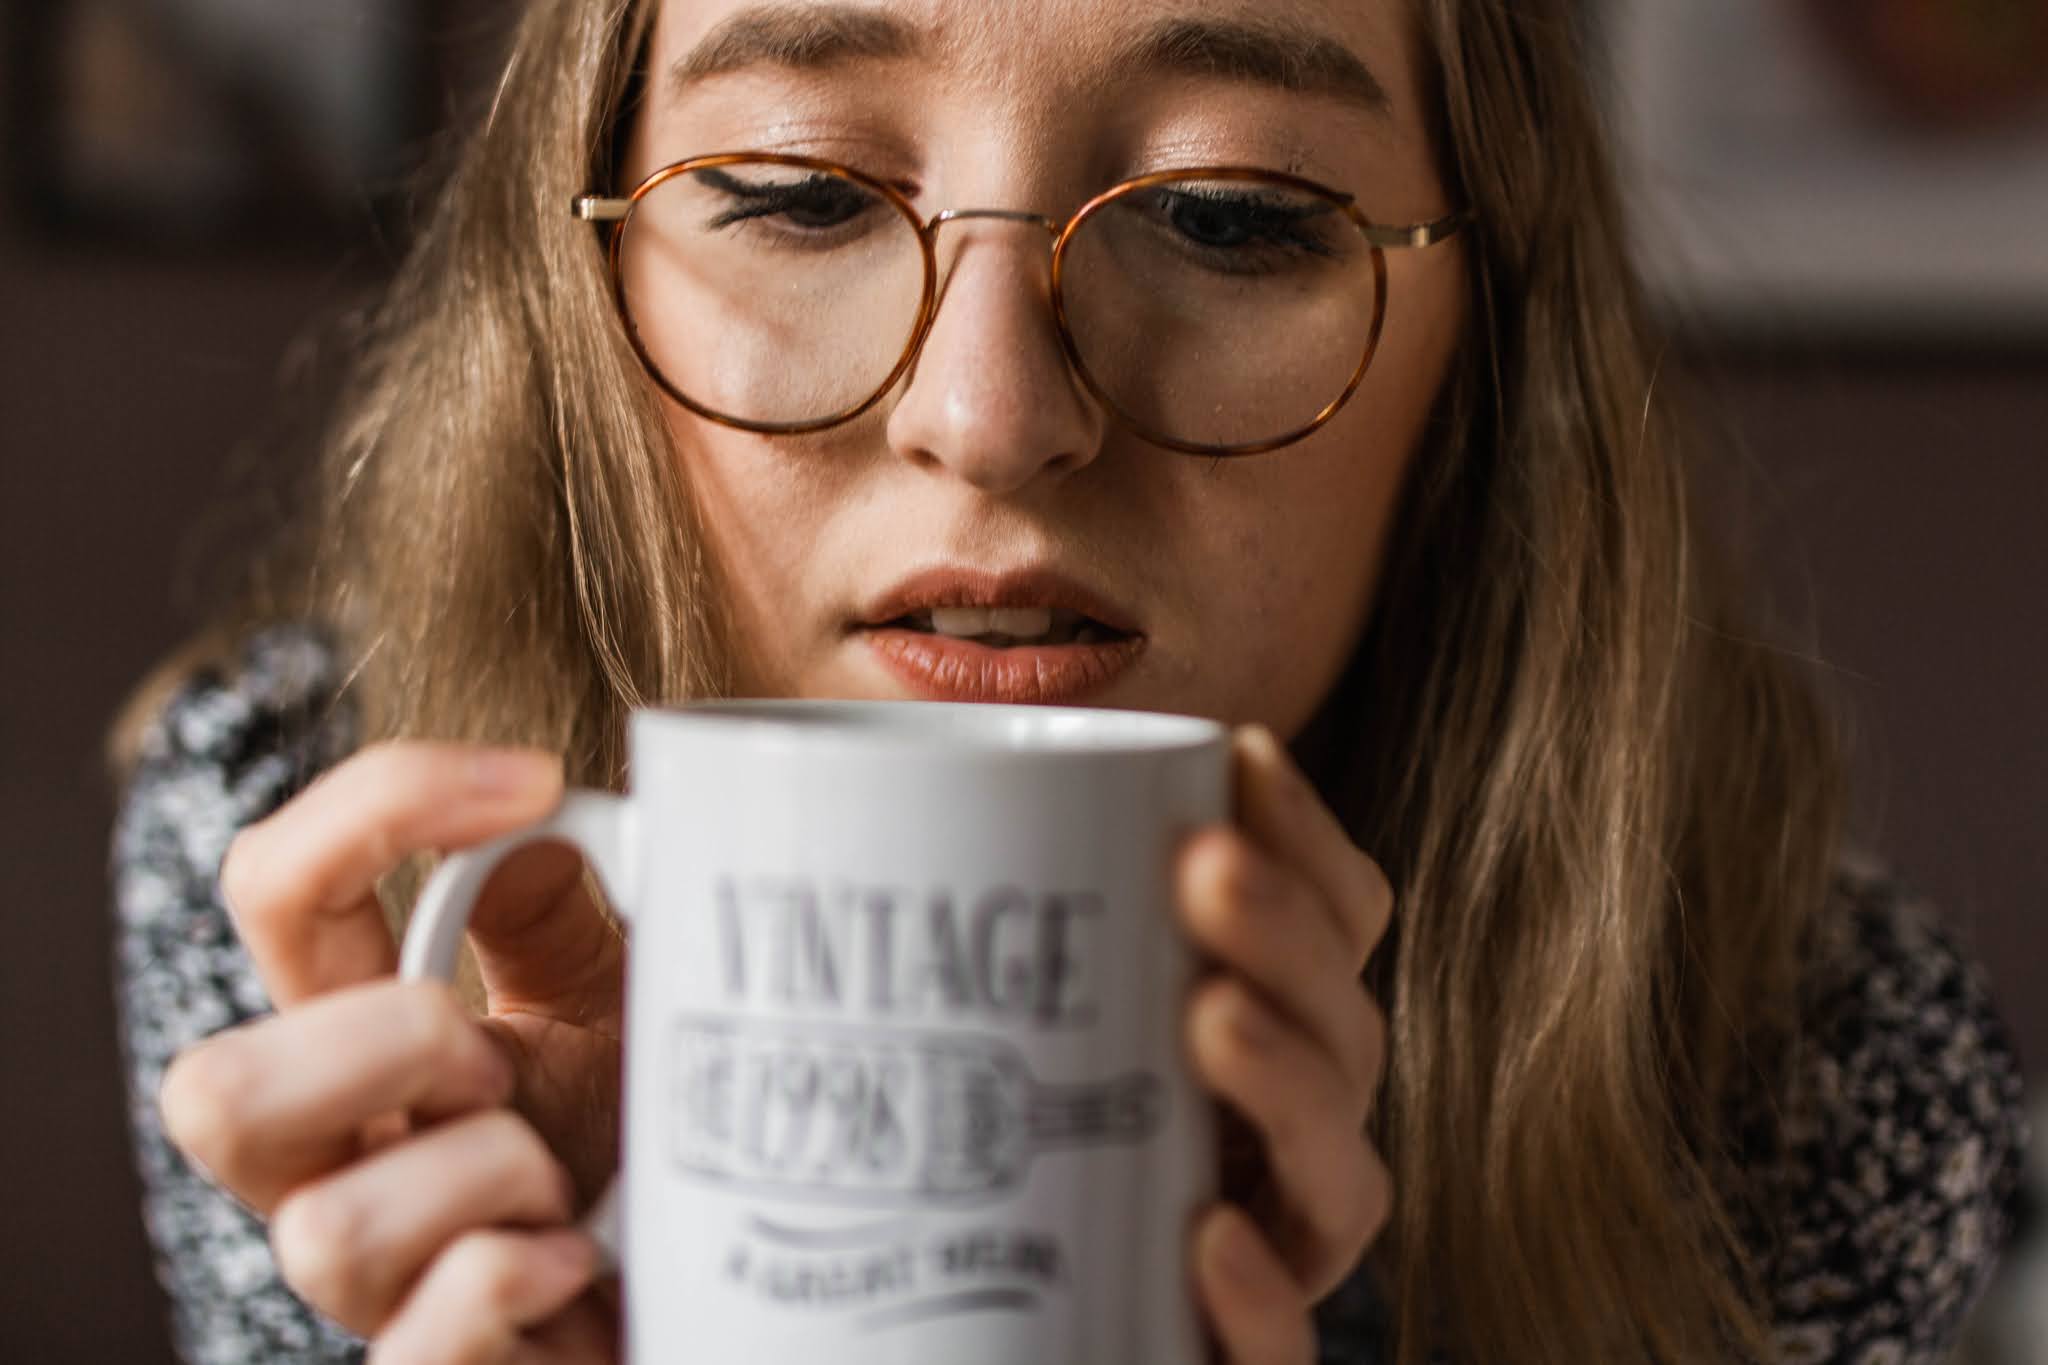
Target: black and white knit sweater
x: 1890, y: 1189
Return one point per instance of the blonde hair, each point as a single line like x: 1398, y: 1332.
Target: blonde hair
x: 1611, y: 812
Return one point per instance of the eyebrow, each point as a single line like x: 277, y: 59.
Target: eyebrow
x: 799, y: 37
x: 1260, y: 52
x: 821, y: 34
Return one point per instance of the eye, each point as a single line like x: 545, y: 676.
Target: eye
x: 817, y: 203
x: 1217, y: 219
x: 1210, y: 221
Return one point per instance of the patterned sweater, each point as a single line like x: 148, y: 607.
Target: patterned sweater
x: 1893, y: 1181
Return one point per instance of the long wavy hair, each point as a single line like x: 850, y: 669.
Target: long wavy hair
x: 1611, y: 811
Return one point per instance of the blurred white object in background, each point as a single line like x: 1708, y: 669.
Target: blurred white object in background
x: 1825, y: 170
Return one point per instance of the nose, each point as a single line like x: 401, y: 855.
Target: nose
x: 991, y: 395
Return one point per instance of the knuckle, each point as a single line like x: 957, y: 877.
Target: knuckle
x: 1201, y: 874
x: 1372, y: 1029
x: 1351, y: 1211
x: 1302, y: 805
x: 1378, y: 886
x: 1355, y: 1203
x: 486, y: 1274
x: 1231, y: 876
x: 421, y: 768
x: 318, y: 1239
x: 384, y: 776
x: 1376, y: 1198
x: 383, y: 844
x: 1366, y: 1057
x: 1258, y: 879
x: 521, y: 1158
x: 407, y: 1342
x: 386, y: 760
x: 1248, y: 1023
x: 1339, y: 1224
x: 200, y: 1102
x: 1243, y: 866
x: 1374, y: 895
x: 435, y: 1026
x: 1219, y: 1012
x: 242, y: 880
x: 403, y: 1349
x: 1245, y: 1061
x: 1299, y: 1345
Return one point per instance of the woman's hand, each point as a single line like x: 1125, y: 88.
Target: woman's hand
x: 418, y: 1166
x: 1285, y: 1034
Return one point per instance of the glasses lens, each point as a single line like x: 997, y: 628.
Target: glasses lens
x: 1223, y: 312
x: 770, y: 294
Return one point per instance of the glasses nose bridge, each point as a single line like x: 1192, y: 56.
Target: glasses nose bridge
x: 1053, y: 227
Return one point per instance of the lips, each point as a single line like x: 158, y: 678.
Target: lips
x: 974, y: 588
x: 1099, y: 638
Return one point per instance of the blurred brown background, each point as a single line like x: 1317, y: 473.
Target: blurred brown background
x: 1897, y: 494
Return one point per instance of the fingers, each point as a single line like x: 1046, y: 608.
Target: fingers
x: 1257, y: 1310
x: 301, y: 884
x: 350, y: 1244
x: 471, y: 1305
x: 1334, y: 1192
x: 1287, y: 1035
x: 1283, y: 813
x: 1266, y: 923
x: 250, y: 1108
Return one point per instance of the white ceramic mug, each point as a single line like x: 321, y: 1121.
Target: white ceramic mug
x: 905, y: 1080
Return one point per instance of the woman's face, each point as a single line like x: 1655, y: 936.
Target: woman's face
x: 1236, y: 588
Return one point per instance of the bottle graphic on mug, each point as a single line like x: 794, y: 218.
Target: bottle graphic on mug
x: 903, y: 1082
x: 833, y: 1115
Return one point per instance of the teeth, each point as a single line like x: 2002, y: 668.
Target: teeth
x: 1002, y: 627
x: 1019, y: 623
x: 961, y: 620
x: 1023, y: 623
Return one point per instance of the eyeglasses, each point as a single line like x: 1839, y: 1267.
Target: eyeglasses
x: 1215, y: 310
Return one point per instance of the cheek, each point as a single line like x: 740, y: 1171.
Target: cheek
x: 1294, y: 592
x: 751, y: 506
x: 1296, y: 576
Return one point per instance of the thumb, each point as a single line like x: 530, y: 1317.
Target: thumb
x: 544, y: 943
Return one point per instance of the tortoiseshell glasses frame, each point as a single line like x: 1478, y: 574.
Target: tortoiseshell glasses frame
x: 618, y: 212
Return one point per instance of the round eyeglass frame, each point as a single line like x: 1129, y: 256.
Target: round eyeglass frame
x: 618, y: 213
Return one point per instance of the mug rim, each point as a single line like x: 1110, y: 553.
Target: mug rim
x: 1010, y: 729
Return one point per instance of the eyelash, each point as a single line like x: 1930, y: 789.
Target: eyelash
x: 1268, y: 229
x: 766, y: 201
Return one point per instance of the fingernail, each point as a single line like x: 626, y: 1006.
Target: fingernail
x: 1261, y: 737
x: 508, y: 772
x: 1265, y: 752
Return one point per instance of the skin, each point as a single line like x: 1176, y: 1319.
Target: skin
x: 420, y: 1165
x: 1251, y: 578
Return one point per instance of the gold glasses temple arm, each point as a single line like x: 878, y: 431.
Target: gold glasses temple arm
x: 596, y: 208
x: 1420, y: 234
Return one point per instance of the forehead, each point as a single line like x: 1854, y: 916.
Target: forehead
x: 1361, y: 52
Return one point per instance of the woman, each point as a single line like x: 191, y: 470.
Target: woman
x: 1657, y: 1077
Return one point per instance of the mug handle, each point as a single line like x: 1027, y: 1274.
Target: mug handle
x: 599, y: 826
